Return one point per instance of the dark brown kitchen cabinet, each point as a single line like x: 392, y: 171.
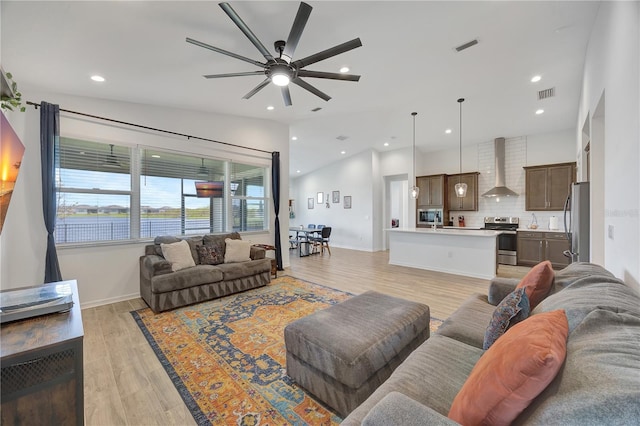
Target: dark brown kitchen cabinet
x: 535, y: 247
x: 468, y: 202
x: 431, y: 191
x: 547, y: 186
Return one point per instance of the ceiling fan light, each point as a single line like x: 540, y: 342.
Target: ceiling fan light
x: 280, y: 80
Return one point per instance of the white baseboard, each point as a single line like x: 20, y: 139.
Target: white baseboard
x: 96, y: 303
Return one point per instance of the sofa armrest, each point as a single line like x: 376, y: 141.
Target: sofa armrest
x: 399, y: 409
x: 499, y: 288
x: 152, y: 265
x: 257, y: 253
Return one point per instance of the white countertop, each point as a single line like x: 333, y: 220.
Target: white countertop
x: 539, y: 230
x: 468, y: 232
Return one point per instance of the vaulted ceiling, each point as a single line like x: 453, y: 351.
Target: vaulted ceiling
x: 408, y: 62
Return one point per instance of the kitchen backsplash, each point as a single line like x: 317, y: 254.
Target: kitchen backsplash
x: 515, y: 160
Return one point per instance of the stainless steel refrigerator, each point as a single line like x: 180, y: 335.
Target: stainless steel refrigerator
x: 576, y: 222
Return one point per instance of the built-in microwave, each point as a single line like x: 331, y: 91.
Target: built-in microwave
x: 429, y: 216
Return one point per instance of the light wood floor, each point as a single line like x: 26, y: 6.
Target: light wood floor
x: 125, y: 384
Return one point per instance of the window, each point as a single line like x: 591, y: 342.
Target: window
x: 93, y: 192
x: 108, y: 193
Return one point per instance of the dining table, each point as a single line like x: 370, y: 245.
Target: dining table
x: 308, y: 234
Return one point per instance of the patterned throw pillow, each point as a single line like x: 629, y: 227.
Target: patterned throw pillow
x: 209, y: 255
x: 513, y: 309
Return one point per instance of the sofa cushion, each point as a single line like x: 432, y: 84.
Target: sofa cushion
x: 468, y: 324
x: 432, y: 375
x: 178, y: 254
x: 600, y: 380
x: 506, y: 380
x: 237, y: 251
x: 233, y: 271
x: 513, y: 309
x: 185, y: 278
x: 538, y: 282
x: 208, y: 255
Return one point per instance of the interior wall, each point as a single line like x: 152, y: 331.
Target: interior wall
x: 351, y: 228
x: 612, y: 67
x: 107, y: 273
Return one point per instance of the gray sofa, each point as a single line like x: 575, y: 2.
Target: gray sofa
x: 163, y: 289
x: 598, y: 384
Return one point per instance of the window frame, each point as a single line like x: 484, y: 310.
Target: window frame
x: 135, y: 195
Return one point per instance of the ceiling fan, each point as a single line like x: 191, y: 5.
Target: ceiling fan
x: 282, y: 70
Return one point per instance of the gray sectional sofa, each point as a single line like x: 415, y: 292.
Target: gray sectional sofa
x: 163, y: 289
x: 598, y: 383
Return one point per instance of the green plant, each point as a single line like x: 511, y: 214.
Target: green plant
x: 14, y: 98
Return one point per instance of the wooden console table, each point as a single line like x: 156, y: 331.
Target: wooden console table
x: 41, y: 363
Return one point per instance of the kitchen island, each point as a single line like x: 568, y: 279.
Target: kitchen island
x: 466, y: 252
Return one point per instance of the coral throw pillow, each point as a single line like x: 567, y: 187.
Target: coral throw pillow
x: 237, y: 251
x: 538, y: 283
x: 518, y: 366
x: 178, y: 254
x: 513, y: 309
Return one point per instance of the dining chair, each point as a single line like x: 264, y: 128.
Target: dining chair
x: 323, y: 239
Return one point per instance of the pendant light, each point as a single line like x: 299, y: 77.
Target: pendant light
x: 461, y: 188
x: 415, y: 191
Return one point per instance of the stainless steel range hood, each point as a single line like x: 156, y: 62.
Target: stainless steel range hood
x: 500, y: 190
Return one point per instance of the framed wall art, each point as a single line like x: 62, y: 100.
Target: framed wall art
x: 309, y: 203
x: 347, y: 201
x: 335, y: 197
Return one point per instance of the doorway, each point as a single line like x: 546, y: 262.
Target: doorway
x: 396, y: 212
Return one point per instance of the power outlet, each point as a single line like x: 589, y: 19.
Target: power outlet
x: 610, y: 232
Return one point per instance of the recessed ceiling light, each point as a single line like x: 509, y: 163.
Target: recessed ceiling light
x: 536, y: 78
x: 343, y: 152
x: 344, y: 69
x: 386, y: 144
x: 155, y: 156
x: 297, y: 171
x: 447, y: 131
x: 270, y: 108
x: 97, y: 78
x: 540, y: 111
x: 294, y: 138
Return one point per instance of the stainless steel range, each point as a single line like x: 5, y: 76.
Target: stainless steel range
x: 507, y: 241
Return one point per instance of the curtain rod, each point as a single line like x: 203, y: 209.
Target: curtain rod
x: 36, y: 105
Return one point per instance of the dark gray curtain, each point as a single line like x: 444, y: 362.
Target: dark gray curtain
x: 49, y: 139
x: 275, y: 188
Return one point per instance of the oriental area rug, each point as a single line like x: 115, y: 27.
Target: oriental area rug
x: 226, y: 357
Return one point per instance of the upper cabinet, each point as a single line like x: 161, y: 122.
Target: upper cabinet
x: 548, y: 186
x: 431, y: 190
x: 468, y: 202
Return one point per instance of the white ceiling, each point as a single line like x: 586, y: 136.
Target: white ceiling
x: 407, y: 62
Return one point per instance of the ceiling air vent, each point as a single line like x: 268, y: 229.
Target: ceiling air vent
x: 316, y: 109
x: 546, y: 93
x: 342, y: 138
x: 467, y: 45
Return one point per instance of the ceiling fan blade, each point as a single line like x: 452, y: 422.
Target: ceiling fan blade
x: 225, y: 52
x: 296, y: 31
x: 330, y: 75
x: 286, y: 95
x: 310, y: 88
x: 256, y: 89
x: 325, y: 54
x: 245, y: 29
x: 234, y: 74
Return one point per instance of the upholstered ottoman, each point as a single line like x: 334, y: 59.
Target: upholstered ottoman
x: 343, y: 353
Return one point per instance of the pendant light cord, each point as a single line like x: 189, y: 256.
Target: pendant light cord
x: 414, y: 145
x: 460, y: 101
